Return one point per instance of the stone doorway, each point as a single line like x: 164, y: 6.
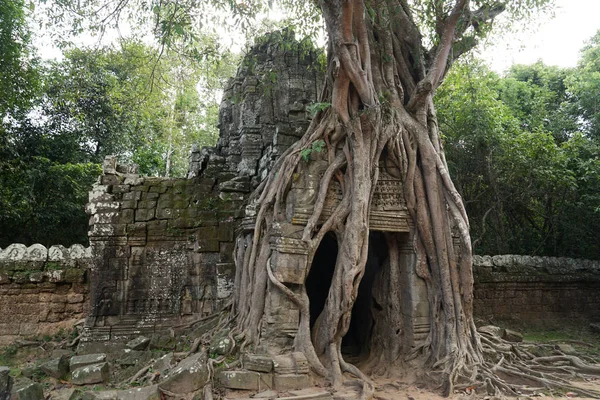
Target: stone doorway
x: 357, y: 341
x: 320, y: 275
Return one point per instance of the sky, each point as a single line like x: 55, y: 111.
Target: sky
x: 555, y: 41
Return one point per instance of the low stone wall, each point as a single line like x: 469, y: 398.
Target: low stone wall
x: 41, y: 290
x: 536, y: 291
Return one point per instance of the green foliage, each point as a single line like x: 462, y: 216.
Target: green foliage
x: 317, y: 146
x: 528, y: 177
x: 7, y: 354
x: 585, y: 85
x: 18, y: 74
x: 42, y: 201
x: 315, y: 108
x: 138, y: 104
x: 134, y: 102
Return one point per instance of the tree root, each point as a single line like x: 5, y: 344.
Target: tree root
x: 516, y: 370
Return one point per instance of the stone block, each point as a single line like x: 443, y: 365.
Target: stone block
x: 141, y: 393
x: 511, y: 336
x: 87, y: 359
x: 255, y: 362
x: 288, y: 267
x: 27, y: 390
x: 57, y: 367
x: 189, y: 375
x: 147, y: 204
x: 73, y: 275
x: 125, y: 216
x: 265, y: 381
x: 139, y: 343
x: 135, y: 195
x: 293, y: 363
x: 239, y: 379
x: 75, y: 298
x: 150, y: 196
x: 163, y: 364
x: 566, y: 348
x: 287, y: 382
x: 90, y: 374
x: 207, y: 245
x: 74, y: 308
x: 128, y: 204
x: 144, y: 214
x: 120, y: 188
x: 157, y: 226
x: 134, y: 357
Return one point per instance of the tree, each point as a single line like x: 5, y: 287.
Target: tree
x: 125, y: 101
x: 386, y: 59
x: 18, y: 74
x: 135, y: 103
x: 586, y: 86
x: 513, y: 145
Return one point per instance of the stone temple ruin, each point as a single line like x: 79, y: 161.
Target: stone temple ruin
x: 163, y: 247
x: 161, y: 258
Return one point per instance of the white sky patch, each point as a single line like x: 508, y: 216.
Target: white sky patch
x: 555, y: 41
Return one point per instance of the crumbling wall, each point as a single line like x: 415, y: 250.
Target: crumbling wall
x: 163, y: 247
x: 41, y: 290
x: 162, y: 252
x: 536, y: 291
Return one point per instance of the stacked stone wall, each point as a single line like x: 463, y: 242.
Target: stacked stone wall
x: 536, y: 291
x: 41, y: 290
x: 162, y: 251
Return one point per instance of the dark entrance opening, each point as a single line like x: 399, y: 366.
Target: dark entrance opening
x: 356, y: 342
x: 320, y: 275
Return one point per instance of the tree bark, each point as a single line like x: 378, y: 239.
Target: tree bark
x: 380, y: 85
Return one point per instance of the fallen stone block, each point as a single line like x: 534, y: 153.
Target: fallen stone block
x: 141, y: 393
x: 254, y: 362
x: 239, y: 379
x: 90, y: 374
x: 6, y: 383
x: 566, y: 349
x: 287, y: 382
x: 293, y: 363
x: 163, y: 364
x: 134, y: 357
x: 57, y: 367
x: 139, y: 343
x: 189, y: 375
x: 27, y: 390
x: 511, y: 336
x: 88, y: 359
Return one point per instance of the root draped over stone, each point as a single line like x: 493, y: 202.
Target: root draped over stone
x: 379, y: 92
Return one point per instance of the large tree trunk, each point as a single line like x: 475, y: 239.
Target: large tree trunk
x: 380, y: 91
x: 380, y: 84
